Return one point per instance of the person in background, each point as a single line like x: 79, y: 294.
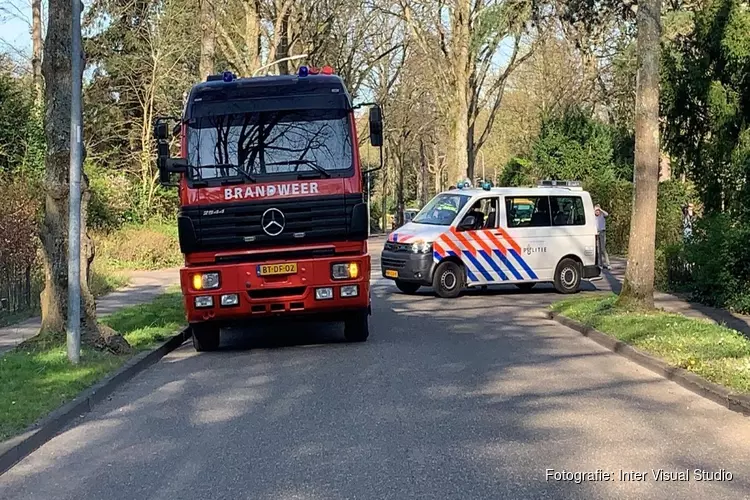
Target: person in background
x: 601, y: 233
x: 687, y: 221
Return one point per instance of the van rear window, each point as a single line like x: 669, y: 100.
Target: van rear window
x: 567, y: 211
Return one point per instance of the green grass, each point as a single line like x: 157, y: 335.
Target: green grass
x: 717, y: 353
x: 36, y: 378
x: 104, y: 282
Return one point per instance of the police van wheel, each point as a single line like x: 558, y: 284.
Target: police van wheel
x: 357, y: 327
x: 408, y: 288
x: 206, y: 337
x: 568, y: 276
x: 448, y: 280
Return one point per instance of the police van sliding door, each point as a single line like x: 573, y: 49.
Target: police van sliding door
x: 545, y: 229
x: 527, y: 222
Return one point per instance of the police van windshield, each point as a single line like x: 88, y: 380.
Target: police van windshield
x: 442, y: 209
x: 271, y: 144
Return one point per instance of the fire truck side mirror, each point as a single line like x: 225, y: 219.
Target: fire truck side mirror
x: 376, y: 126
x: 160, y: 131
x: 162, y: 159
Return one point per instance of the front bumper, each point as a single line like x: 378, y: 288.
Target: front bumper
x: 410, y: 267
x: 288, y: 295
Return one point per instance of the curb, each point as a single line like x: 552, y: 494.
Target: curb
x: 690, y: 381
x: 16, y: 448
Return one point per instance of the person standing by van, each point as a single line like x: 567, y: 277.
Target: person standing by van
x: 601, y: 233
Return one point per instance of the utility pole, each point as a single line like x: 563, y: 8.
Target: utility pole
x: 74, y: 212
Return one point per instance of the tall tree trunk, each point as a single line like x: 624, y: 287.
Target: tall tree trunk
x: 56, y: 68
x: 283, y: 50
x: 400, y: 199
x: 36, y: 49
x: 638, y: 289
x: 458, y: 158
x: 471, y: 153
x: 457, y: 153
x: 423, y: 174
x: 208, y: 30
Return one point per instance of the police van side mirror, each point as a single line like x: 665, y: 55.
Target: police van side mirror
x: 376, y: 126
x: 468, y: 223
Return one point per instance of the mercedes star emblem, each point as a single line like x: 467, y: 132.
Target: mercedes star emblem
x: 273, y: 221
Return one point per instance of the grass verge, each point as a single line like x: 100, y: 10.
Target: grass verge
x: 36, y: 378
x: 714, y: 352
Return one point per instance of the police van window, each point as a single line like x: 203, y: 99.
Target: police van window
x: 527, y: 211
x: 567, y: 211
x: 484, y: 211
x: 441, y: 210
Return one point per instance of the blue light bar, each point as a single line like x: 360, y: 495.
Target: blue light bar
x: 303, y: 71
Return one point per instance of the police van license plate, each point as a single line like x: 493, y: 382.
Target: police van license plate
x: 390, y: 273
x: 276, y: 269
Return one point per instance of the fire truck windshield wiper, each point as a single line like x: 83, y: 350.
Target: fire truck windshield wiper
x: 308, y: 163
x: 237, y: 169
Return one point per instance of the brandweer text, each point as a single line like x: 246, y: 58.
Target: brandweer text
x: 270, y: 190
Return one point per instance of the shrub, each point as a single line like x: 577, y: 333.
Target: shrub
x: 110, y: 205
x: 718, y: 255
x: 19, y: 208
x: 153, y: 245
x: 615, y: 197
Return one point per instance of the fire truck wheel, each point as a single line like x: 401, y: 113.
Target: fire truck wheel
x: 568, y: 276
x: 357, y: 327
x: 448, y: 280
x: 408, y: 288
x: 206, y: 337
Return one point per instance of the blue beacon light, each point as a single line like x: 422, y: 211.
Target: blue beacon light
x: 303, y: 71
x: 227, y: 76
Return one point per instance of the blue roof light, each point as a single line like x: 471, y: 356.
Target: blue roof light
x: 303, y: 71
x: 228, y: 76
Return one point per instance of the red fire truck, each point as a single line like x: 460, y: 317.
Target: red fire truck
x: 272, y: 219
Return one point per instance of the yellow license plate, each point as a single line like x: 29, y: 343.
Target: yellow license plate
x: 275, y: 269
x: 391, y: 273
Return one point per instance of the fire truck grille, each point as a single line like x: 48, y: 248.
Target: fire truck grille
x: 240, y: 225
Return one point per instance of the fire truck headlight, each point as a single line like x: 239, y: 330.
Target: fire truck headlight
x: 345, y: 271
x: 421, y: 247
x: 323, y: 293
x: 230, y: 300
x: 349, y: 291
x: 204, y: 301
x: 205, y: 281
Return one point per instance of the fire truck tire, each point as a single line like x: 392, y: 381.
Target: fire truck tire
x: 357, y: 327
x: 568, y: 276
x: 408, y: 288
x: 206, y: 337
x: 448, y: 280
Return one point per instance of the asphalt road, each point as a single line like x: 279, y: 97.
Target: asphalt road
x: 471, y: 398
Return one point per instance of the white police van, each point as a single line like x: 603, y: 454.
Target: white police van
x: 471, y: 237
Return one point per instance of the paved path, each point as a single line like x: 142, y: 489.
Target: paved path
x: 672, y: 303
x: 143, y: 287
x: 472, y: 398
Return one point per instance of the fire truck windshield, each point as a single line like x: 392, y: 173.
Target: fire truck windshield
x: 270, y: 144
